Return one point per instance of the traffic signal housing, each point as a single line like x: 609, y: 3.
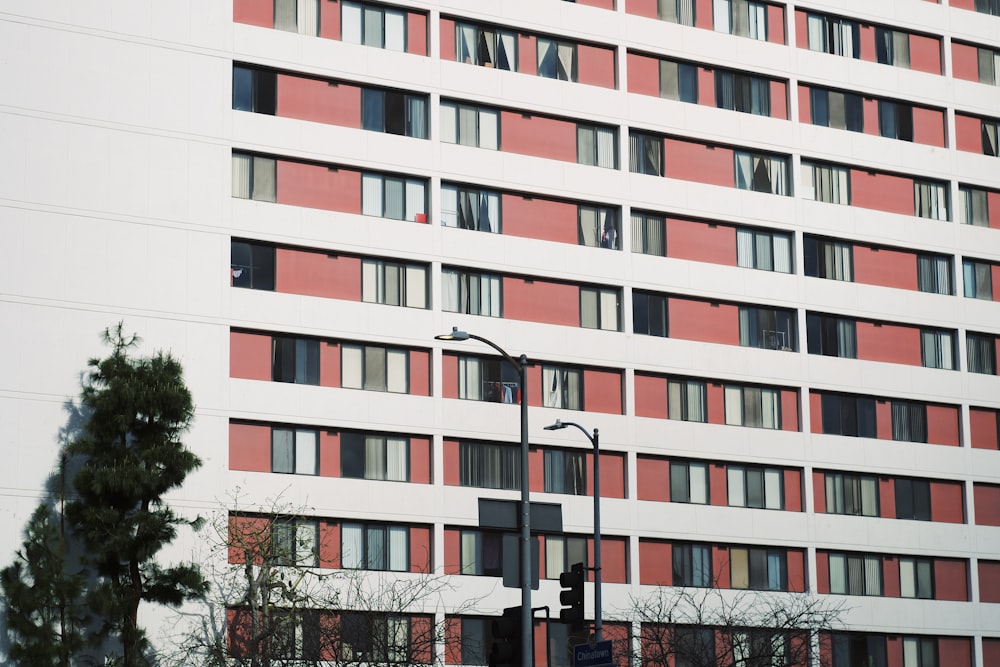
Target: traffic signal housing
x: 571, y: 596
x: 506, y: 648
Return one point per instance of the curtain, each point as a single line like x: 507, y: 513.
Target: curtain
x: 352, y: 545
x: 609, y: 310
x: 567, y: 61
x: 698, y: 483
x: 606, y: 148
x: 416, y: 117
x: 847, y: 345
x: 264, y: 177
x: 416, y: 199
x: 489, y: 212
x: 449, y: 291
x: 816, y: 29
x: 666, y: 10
x: 782, y: 253
x: 488, y: 135
x: 757, y: 21
x: 744, y: 248
x: 506, y: 51
x: 776, y: 169
x: 469, y: 380
x: 373, y: 34
x: 744, y: 170
x: 396, y: 362
x: 305, y: 452
x: 468, y: 122
x: 308, y: 17
x: 873, y: 575
x: 351, y: 366
x: 764, y: 259
x: 374, y: 457
x: 282, y: 451
x: 241, y: 175
x: 465, y: 43
x: 449, y: 123
x: 586, y: 151
x: 555, y: 556
x: 931, y: 200
x: 350, y: 30
x: 415, y: 286
x: 398, y: 548
x: 285, y: 15
x: 772, y: 489
x: 394, y: 198
x: 546, y: 63
x: 981, y: 351
x: 720, y: 15
x: 668, y: 80
x: 736, y: 486
x: 770, y: 408
x: 776, y: 573
x: 838, y: 574
x: 734, y: 405
x: 900, y: 49
x: 760, y: 96
x: 371, y: 195
x: 701, y: 566
x: 989, y: 138
x: 725, y: 96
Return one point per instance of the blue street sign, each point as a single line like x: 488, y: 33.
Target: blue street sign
x: 596, y: 655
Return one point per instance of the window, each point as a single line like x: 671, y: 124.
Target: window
x: 394, y: 112
x: 850, y: 649
x: 374, y: 546
x: 989, y: 137
x: 649, y: 234
x: 251, y: 265
x: 599, y: 227
x: 991, y: 7
x: 974, y: 206
x: 839, y: 110
x: 374, y: 368
x: 470, y: 125
x: 982, y: 353
x: 676, y: 11
x: 827, y: 258
x: 758, y: 569
x: 486, y: 46
x: 934, y: 274
x: 561, y: 553
x: 852, y: 494
x: 767, y: 251
x: 913, y: 499
x: 470, y: 293
x: 759, y: 648
x: 755, y: 487
x: 753, y: 406
x: 295, y: 360
x: 254, y: 90
x: 937, y: 349
x: 831, y: 336
x: 254, y: 177
x: 477, y: 638
x: 562, y: 388
x: 826, y: 183
x: 381, y: 457
x: 686, y: 400
x: 556, y: 60
x: 844, y: 414
x: 742, y: 92
x: 488, y: 465
x: 689, y: 482
x: 892, y: 47
x: 293, y: 542
x: 565, y: 472
x: 745, y: 18
x: 679, y: 81
x: 373, y: 25
x: 930, y: 200
x: 481, y: 554
x: 692, y: 565
x: 989, y: 65
x: 393, y: 283
x: 916, y: 578
x: 855, y: 574
x: 761, y: 173
x: 649, y: 314
x: 470, y: 208
x: 909, y: 421
x: 693, y: 646
x: 373, y: 638
x: 595, y: 146
x: 830, y: 34
x: 977, y: 279
x: 393, y: 197
x: 493, y: 380
x: 920, y: 652
x: 295, y: 635
x: 600, y: 308
x: 645, y: 153
x: 895, y: 120
x: 559, y: 644
x: 301, y: 16
x: 767, y: 328
x: 295, y: 451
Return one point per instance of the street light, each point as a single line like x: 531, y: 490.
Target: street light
x: 521, y: 364
x: 594, y: 440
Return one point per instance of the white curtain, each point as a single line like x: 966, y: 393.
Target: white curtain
x: 416, y: 286
x: 373, y: 35
x: 492, y: 221
x: 772, y: 488
x: 308, y: 17
x: 907, y: 578
x: 282, y: 450
x: 869, y: 496
x: 744, y: 171
x: 465, y: 44
x: 488, y: 134
x: 370, y: 280
x: 555, y: 557
x: 285, y: 15
x: 606, y: 148
x: 720, y: 14
x: 398, y: 548
x: 770, y: 405
x: 816, y: 27
x: 374, y: 457
x: 350, y: 29
x: 468, y: 124
x: 471, y: 553
x: 371, y: 195
x: 507, y: 56
x: 838, y: 573
x: 470, y: 384
x: 757, y: 21
x: 395, y: 30
x: 567, y: 61
x: 449, y: 206
x: 352, y: 545
x: 698, y: 483
x: 734, y: 405
x: 449, y: 291
x: 241, y: 175
x: 395, y: 457
x: 873, y: 575
x: 736, y: 486
x: 783, y: 253
x: 448, y: 123
x: 609, y: 310
x: 416, y: 199
x: 305, y: 452
x: 396, y: 371
x: 744, y: 248
x: 352, y: 363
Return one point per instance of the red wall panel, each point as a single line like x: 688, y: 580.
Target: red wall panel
x: 718, y: 491
x: 793, y: 490
x: 595, y: 65
x: 882, y: 192
x: 890, y: 576
x: 249, y: 447
x: 776, y: 24
x: 942, y: 425
x: 928, y: 126
x: 534, y: 385
x: 602, y: 391
x: 701, y: 242
x: 951, y: 579
x: 539, y: 218
x: 963, y: 4
x: 329, y: 544
x: 450, y: 449
x: 716, y: 403
x: 887, y: 498
x: 329, y: 454
x: 720, y: 566
x: 968, y: 134
x: 789, y: 410
x: 995, y: 269
x: 318, y: 274
x: 703, y: 321
x: 645, y: 8
x: 964, y: 62
x: 527, y: 54
x: 870, y: 116
x: 989, y: 582
x: 822, y: 573
x: 452, y: 551
x: 987, y: 500
x: 421, y: 553
x: 867, y: 39
x: 535, y: 300
x: 796, y: 571
x: 819, y: 492
x: 805, y: 108
x: 320, y: 101
x: 706, y: 86
x: 329, y: 364
x: 815, y: 412
x: 602, y: 4
x: 416, y: 33
x: 925, y: 54
x: 254, y: 12
x: 539, y: 136
x: 801, y: 30
x: 329, y: 20
x: 692, y: 161
x: 653, y: 479
x: 982, y: 428
x: 655, y: 563
x: 947, y: 502
x: 536, y: 471
x: 613, y: 560
x: 248, y: 538
x: 883, y: 420
x: 703, y: 14
x: 991, y: 651
x: 612, y: 475
x: 249, y: 355
x: 889, y: 343
x: 319, y: 186
x: 650, y: 396
x: 779, y: 100
x: 447, y: 39
x: 955, y: 651
x: 449, y: 375
x: 643, y: 74
x: 889, y: 268
x: 420, y: 374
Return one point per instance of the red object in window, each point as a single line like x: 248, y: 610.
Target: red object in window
x: 422, y: 217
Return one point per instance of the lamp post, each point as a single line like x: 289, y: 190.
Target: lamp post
x: 594, y: 440
x: 521, y: 364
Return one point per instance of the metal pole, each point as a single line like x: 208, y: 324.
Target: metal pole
x: 598, y: 627
x: 526, y: 615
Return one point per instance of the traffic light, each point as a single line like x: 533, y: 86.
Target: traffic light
x: 572, y: 596
x: 506, y: 648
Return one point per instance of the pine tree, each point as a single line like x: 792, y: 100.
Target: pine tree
x: 46, y: 616
x: 131, y: 455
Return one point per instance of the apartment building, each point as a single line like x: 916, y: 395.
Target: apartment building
x: 756, y: 244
